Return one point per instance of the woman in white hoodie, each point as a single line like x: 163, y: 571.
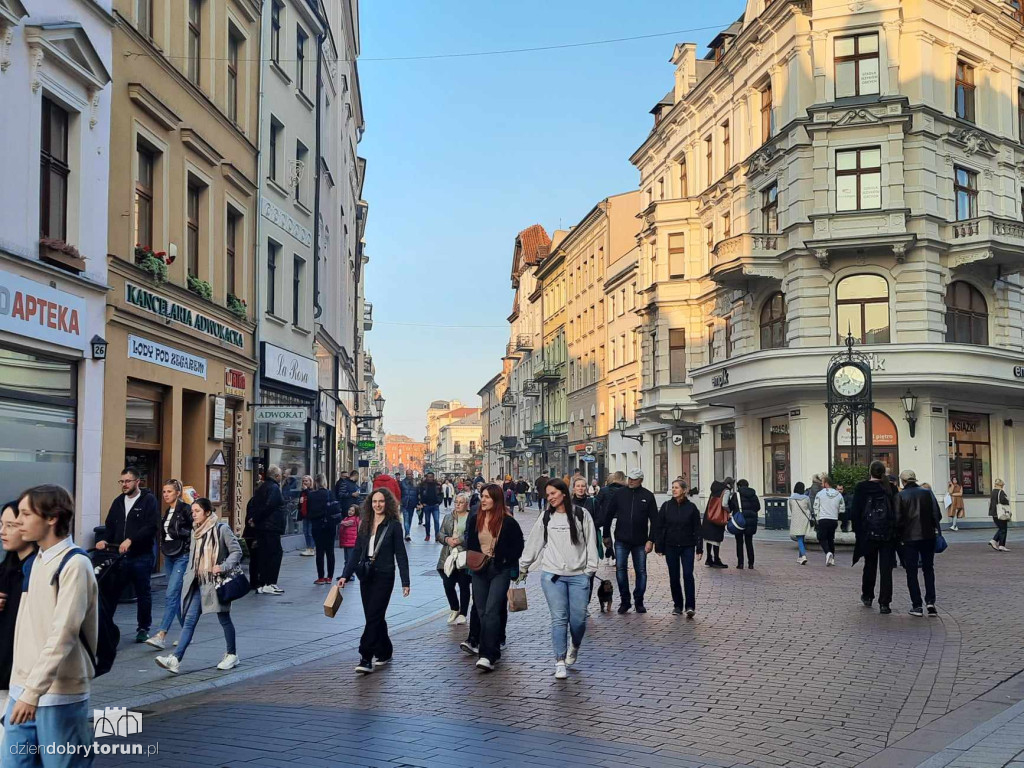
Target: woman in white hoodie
x: 564, y: 542
x: 828, y: 506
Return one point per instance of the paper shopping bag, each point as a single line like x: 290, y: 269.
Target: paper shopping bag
x: 333, y: 601
x: 516, y: 599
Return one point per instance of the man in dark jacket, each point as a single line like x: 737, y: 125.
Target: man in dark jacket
x: 430, y: 497
x: 346, y: 491
x: 813, y: 489
x: 749, y: 506
x: 616, y: 482
x: 410, y: 501
x: 874, y: 524
x: 540, y: 487
x: 522, y: 492
x: 131, y: 526
x: 265, y: 519
x: 917, y: 523
x: 632, y: 510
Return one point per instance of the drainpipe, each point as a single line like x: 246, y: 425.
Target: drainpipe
x: 317, y: 309
x: 257, y: 307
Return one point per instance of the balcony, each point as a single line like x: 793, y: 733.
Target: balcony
x: 511, y: 351
x: 540, y: 429
x: 367, y: 316
x: 531, y: 388
x: 988, y: 239
x: 524, y: 343
x: 549, y: 372
x: 739, y: 259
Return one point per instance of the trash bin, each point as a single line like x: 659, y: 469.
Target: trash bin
x: 776, y: 513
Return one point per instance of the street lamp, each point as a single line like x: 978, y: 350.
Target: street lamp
x: 909, y: 401
x: 379, y: 402
x: 677, y: 413
x: 588, y: 431
x: 621, y: 424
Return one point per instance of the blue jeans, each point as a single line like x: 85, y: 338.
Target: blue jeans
x: 307, y: 533
x: 174, y: 569
x: 801, y: 546
x: 674, y: 557
x: 431, y: 511
x: 567, y: 600
x: 623, y: 552
x: 61, y: 724
x: 407, y: 513
x: 192, y: 614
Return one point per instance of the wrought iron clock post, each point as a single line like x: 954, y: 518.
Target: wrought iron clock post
x: 848, y: 389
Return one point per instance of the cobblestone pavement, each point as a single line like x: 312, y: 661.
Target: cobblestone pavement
x: 782, y: 667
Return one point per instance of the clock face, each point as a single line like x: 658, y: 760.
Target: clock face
x: 848, y: 380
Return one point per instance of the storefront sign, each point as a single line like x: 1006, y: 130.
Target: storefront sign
x: 328, y: 412
x: 280, y: 414
x: 1018, y: 371
x: 968, y: 427
x: 366, y: 445
x: 179, y: 313
x: 32, y: 309
x: 288, y: 367
x: 234, y: 382
x: 168, y: 357
x: 883, y: 431
x: 239, y: 426
x: 218, y: 418
x: 721, y: 379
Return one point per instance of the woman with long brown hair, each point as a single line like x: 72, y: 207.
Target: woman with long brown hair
x: 493, y: 531
x: 379, y: 546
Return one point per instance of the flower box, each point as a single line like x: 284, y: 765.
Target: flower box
x: 62, y: 255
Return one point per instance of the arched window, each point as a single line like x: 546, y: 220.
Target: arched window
x: 773, y: 322
x: 862, y: 308
x: 966, y: 314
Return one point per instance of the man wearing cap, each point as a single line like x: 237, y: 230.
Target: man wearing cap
x: 632, y: 509
x: 917, y: 524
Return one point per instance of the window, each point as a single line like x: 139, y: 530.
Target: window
x: 965, y: 190
x: 458, y: 447
x: 233, y: 44
x: 661, y: 481
x: 862, y: 308
x: 726, y: 226
x: 300, y: 58
x: 1020, y: 115
x: 275, y: 31
x: 297, y: 268
x: 710, y: 231
x: 677, y: 255
x: 1016, y: 9
x: 192, y: 234
x: 851, y: 442
x: 773, y: 322
x: 683, y: 185
x: 969, y: 461
x: 276, y: 129
x: 144, y: 17
x: 726, y: 153
x: 963, y: 94
x: 661, y: 189
x: 194, y: 39
x: 677, y: 356
x: 230, y: 240
x: 725, y: 449
x: 711, y: 343
x: 690, y: 457
x: 770, y: 210
x: 301, y: 153
x: 775, y: 450
x: 273, y: 251
x: 144, y: 197
x: 767, y: 119
x: 54, y: 172
x: 472, y: 446
x: 709, y: 159
x: 966, y: 314
x: 728, y: 337
x: 859, y: 179
x: 856, y: 65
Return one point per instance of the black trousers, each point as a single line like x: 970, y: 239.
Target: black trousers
x: 135, y: 570
x: 827, y: 535
x: 460, y: 601
x: 745, y: 539
x: 923, y: 553
x: 879, y: 557
x: 324, y: 539
x: 376, y: 595
x: 713, y: 553
x: 1000, y: 537
x: 490, y: 602
x: 270, y: 553
x: 255, y: 580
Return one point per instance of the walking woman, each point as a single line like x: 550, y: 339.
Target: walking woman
x: 676, y: 534
x: 800, y: 520
x: 582, y: 497
x: 453, y: 534
x: 493, y: 531
x: 214, y: 551
x: 379, y: 547
x: 998, y: 499
x: 447, y: 494
x: 564, y: 541
x: 323, y: 516
x: 175, y: 543
x: 956, y: 509
x: 712, y: 529
x: 14, y: 573
x: 307, y: 524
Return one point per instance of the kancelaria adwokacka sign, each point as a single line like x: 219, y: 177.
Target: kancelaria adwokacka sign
x: 179, y: 313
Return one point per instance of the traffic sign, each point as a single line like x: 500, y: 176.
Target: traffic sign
x: 366, y: 445
x: 587, y: 458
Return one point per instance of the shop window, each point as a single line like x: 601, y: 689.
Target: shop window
x: 287, y: 446
x: 859, y: 179
x: 850, y: 445
x: 143, y: 431
x: 862, y: 308
x: 195, y: 37
x: 965, y: 190
x: 775, y: 448
x: 966, y: 314
x: 770, y: 209
x: 53, y: 185
x: 677, y: 255
x: 773, y: 322
x: 856, y: 62
x: 677, y: 356
x: 690, y: 459
x: 969, y: 452
x: 963, y: 93
x: 661, y: 462
x: 725, y: 450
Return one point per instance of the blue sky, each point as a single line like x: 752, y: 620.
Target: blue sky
x: 463, y: 153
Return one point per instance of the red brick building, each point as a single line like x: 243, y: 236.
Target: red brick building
x: 402, y: 453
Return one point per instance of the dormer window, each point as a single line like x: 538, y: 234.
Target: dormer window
x: 719, y: 53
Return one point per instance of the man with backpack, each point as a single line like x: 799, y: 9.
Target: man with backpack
x: 874, y: 523
x: 56, y: 633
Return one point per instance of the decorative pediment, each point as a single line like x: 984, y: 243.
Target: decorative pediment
x: 858, y: 117
x: 972, y: 141
x: 67, y: 45
x: 11, y: 12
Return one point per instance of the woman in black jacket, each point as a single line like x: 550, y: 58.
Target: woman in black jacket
x: 749, y: 506
x: 175, y: 540
x: 998, y: 497
x: 379, y: 547
x: 713, y: 533
x: 676, y: 535
x: 323, y: 514
x: 14, y: 571
x: 493, y: 531
x: 581, y: 498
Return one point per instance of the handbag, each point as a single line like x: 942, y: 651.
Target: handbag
x: 737, y: 524
x: 516, y: 599
x: 716, y: 513
x: 365, y: 569
x: 1003, y: 512
x: 232, y: 586
x: 477, y: 561
x: 333, y: 601
x: 940, y: 544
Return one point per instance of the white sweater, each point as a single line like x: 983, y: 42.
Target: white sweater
x: 560, y: 556
x: 829, y: 504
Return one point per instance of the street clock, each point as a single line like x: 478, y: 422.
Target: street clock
x: 849, y: 400
x: 849, y: 380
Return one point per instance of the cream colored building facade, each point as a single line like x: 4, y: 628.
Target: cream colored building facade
x: 459, y: 447
x: 549, y: 435
x: 855, y: 167
x: 622, y: 382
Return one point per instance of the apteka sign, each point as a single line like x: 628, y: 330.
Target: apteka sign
x: 32, y: 309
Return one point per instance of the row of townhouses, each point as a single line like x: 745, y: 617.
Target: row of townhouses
x: 181, y: 259
x: 824, y: 172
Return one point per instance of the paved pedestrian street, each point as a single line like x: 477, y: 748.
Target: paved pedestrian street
x: 782, y: 667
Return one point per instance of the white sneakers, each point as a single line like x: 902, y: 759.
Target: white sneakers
x: 230, y: 661
x: 270, y: 589
x: 991, y: 543
x: 830, y: 559
x: 452, y: 616
x: 560, y: 671
x: 307, y: 552
x: 460, y: 619
x: 487, y: 665
x: 802, y: 560
x: 954, y: 527
x: 570, y: 657
x: 170, y: 663
x: 1003, y: 549
x: 472, y: 650
x: 157, y: 641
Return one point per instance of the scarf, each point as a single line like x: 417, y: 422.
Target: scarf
x: 207, y: 548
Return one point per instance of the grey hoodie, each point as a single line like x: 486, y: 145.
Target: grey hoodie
x: 829, y: 504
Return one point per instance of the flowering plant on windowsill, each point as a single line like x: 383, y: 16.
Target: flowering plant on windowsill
x: 61, y: 254
x: 153, y: 262
x: 237, y: 307
x: 200, y: 287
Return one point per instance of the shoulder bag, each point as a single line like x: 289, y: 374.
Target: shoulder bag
x: 365, y: 569
x: 232, y: 584
x: 478, y: 561
x: 1003, y: 512
x: 717, y: 513
x: 737, y: 523
x: 940, y: 544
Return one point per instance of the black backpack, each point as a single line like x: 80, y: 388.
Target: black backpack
x: 108, y: 635
x: 878, y: 517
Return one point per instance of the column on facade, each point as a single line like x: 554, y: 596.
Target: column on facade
x: 892, y: 53
x: 819, y: 58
